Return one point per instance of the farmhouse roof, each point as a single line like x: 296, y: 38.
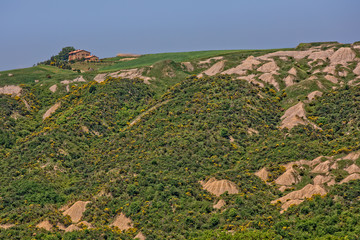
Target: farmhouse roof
x: 76, y: 51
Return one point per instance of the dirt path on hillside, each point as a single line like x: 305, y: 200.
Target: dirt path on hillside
x: 138, y: 118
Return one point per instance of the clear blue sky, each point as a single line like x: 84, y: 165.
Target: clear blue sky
x: 32, y: 31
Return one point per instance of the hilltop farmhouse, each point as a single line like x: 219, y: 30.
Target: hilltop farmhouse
x: 82, y: 54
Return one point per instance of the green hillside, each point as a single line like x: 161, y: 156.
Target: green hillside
x: 229, y: 145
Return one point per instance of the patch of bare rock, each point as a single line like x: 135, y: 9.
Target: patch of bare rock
x: 295, y: 54
x: 76, y: 211
x: 207, y: 61
x: 311, y: 96
x: 342, y: 56
x: 214, y: 69
x: 352, y: 169
x: 248, y: 64
x: 331, y: 78
x: 351, y: 177
x: 128, y: 73
x: 269, y: 78
x: 78, y: 79
x: 45, y: 225
x: 122, y: 222
x: 322, y: 166
x: 188, y: 66
x: 11, y: 90
x: 53, y: 88
x: 269, y: 67
x: 357, y: 69
x: 289, y: 80
x: 295, y: 115
x: 51, y: 110
x: 140, y: 236
x: 6, y: 226
x: 322, y: 55
x: 298, y: 196
x: 218, y: 187
x: 263, y: 174
x: 288, y: 178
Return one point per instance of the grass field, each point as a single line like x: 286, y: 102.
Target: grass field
x: 149, y: 59
x: 41, y: 73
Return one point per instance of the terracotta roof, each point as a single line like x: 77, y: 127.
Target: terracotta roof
x: 76, y: 51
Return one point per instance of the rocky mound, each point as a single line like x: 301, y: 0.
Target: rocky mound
x: 351, y: 156
x: 131, y: 74
x: 352, y: 169
x: 288, y: 178
x: 292, y: 71
x: 351, y: 177
x: 306, y: 192
x: 248, y: 64
x: 323, y: 167
x: 331, y: 78
x: 218, y: 187
x: 295, y: 54
x: 269, y: 78
x: 357, y: 69
x: 319, y: 179
x: 122, y: 222
x: 214, y: 69
x: 45, y: 225
x: 342, y: 56
x: 263, y: 174
x: 289, y: 80
x: 76, y: 211
x: 294, y: 116
x: 321, y: 55
x: 269, y: 67
x: 314, y: 94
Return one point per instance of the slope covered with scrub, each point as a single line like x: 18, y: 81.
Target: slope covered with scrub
x: 236, y: 145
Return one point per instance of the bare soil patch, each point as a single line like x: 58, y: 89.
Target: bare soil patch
x: 263, y: 174
x: 45, y: 225
x: 76, y: 211
x: 11, y: 90
x: 311, y: 96
x: 53, y: 88
x: 51, y: 110
x: 122, y: 222
x: 218, y: 187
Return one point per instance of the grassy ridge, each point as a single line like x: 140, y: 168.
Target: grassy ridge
x: 29, y: 75
x: 149, y: 59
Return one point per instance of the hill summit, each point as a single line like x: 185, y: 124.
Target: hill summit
x: 235, y: 144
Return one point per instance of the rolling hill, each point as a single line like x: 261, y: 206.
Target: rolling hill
x: 240, y: 144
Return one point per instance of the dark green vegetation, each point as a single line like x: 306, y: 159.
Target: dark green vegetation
x: 150, y: 170
x: 60, y: 60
